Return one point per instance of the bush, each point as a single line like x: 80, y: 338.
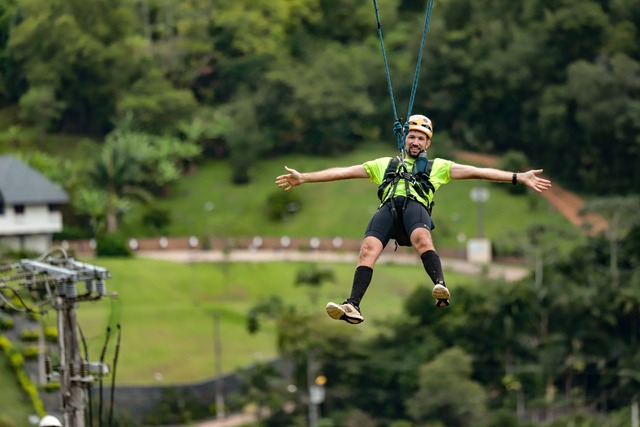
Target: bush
x: 51, y: 334
x: 281, y: 205
x: 17, y: 361
x: 31, y: 352
x: 112, y: 245
x: 5, y: 345
x: 70, y: 232
x: 6, y: 322
x: 51, y: 387
x: 30, y: 335
x: 156, y: 220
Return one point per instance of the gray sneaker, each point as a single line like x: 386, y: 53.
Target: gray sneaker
x: 441, y: 294
x: 346, y: 311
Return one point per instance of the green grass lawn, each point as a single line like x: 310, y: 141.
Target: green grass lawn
x: 166, y: 312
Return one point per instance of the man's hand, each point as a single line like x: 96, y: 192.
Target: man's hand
x: 532, y: 180
x: 290, y: 180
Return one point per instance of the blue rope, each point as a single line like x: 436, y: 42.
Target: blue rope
x: 386, y: 64
x: 398, y: 129
x: 424, y: 37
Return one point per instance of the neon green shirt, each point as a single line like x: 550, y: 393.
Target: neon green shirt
x: 439, y: 175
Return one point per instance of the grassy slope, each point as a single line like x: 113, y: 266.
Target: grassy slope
x: 340, y: 208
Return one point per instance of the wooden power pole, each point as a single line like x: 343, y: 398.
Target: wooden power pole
x: 60, y: 278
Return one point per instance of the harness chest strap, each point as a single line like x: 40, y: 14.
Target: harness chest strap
x: 418, y: 180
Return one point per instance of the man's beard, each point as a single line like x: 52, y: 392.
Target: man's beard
x: 411, y: 155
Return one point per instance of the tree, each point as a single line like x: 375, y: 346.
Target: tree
x: 119, y: 172
x: 447, y: 393
x: 40, y: 108
x: 621, y: 215
x: 324, y: 101
x: 314, y: 277
x: 82, y: 52
x: 152, y: 105
x: 93, y: 203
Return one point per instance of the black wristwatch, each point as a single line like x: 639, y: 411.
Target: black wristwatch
x: 514, y: 178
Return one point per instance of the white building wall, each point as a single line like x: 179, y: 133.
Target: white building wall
x: 35, y: 242
x: 36, y: 220
x: 31, y: 230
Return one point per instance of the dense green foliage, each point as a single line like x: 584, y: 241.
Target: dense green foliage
x: 560, y: 341
x: 559, y: 81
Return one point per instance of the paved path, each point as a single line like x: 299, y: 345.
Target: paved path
x: 493, y: 271
x: 230, y: 421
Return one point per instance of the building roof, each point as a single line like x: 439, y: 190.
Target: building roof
x: 20, y: 184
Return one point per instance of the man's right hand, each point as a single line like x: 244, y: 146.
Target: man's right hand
x: 290, y: 180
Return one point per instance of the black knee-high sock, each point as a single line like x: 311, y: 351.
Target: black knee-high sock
x: 361, y: 280
x: 433, y: 267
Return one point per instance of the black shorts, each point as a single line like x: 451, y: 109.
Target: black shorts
x: 384, y: 227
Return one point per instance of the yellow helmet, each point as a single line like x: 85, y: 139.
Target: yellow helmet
x: 422, y: 124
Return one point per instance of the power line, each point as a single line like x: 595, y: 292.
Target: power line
x: 55, y: 281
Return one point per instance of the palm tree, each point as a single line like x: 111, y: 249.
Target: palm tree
x: 119, y: 172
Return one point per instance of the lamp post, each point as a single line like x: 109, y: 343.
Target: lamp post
x: 479, y: 248
x: 480, y: 195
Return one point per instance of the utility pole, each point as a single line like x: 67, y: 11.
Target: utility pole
x: 315, y: 384
x: 59, y: 278
x: 217, y: 348
x: 480, y: 195
x: 71, y: 379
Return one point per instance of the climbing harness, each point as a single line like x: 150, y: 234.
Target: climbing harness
x: 416, y: 180
x: 399, y: 130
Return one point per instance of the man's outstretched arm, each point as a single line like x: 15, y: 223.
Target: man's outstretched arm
x: 295, y: 178
x: 529, y: 178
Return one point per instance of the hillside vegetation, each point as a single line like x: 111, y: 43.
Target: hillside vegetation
x: 206, y: 204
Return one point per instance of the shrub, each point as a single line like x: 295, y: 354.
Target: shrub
x: 51, y: 387
x: 5, y: 345
x: 6, y: 322
x: 112, y: 245
x: 156, y: 220
x: 30, y: 335
x: 51, y: 334
x: 31, y: 352
x: 70, y: 232
x: 281, y: 205
x: 16, y: 360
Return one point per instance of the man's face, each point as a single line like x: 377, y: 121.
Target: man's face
x: 416, y: 142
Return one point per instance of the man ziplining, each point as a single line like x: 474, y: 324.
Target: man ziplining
x: 406, y: 190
